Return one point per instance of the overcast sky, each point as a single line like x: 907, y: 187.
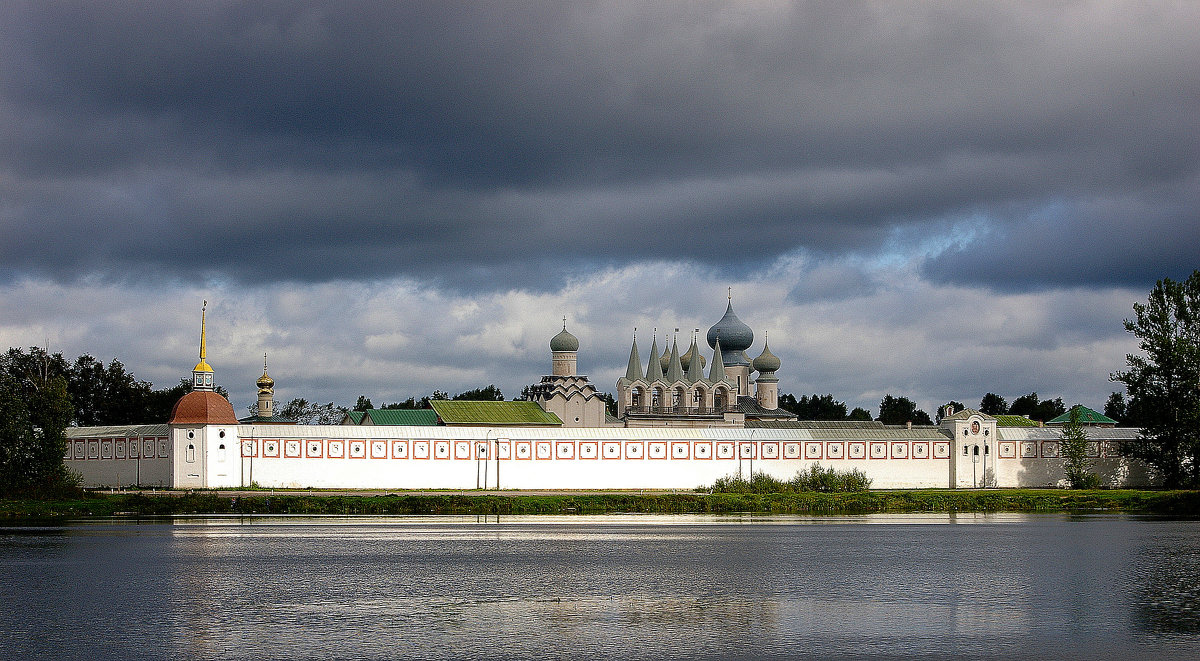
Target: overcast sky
x: 929, y: 200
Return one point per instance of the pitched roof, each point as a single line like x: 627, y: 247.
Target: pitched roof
x: 266, y: 420
x: 1006, y: 420
x: 1086, y: 417
x: 355, y: 417
x: 402, y: 417
x: 493, y: 413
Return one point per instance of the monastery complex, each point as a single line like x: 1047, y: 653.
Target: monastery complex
x: 683, y: 420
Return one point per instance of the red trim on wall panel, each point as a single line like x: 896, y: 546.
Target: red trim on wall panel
x: 564, y: 449
x: 635, y: 450
x: 422, y: 447
x: 923, y: 453
x: 589, y: 448
x: 524, y: 450
x: 249, y: 447
x: 657, y: 450
x: 769, y: 450
x: 725, y: 450
x: 680, y: 450
x: 858, y: 448
x: 441, y: 450
x: 835, y: 450
x: 543, y: 451
x: 702, y: 450
x: 606, y: 448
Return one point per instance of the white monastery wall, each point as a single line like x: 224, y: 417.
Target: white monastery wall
x: 121, y: 460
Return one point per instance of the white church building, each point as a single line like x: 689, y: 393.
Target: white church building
x: 677, y: 427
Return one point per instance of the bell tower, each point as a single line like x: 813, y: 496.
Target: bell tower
x: 202, y: 373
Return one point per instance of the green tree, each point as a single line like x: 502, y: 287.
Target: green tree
x: 362, y: 404
x: 859, y: 413
x: 993, y: 404
x: 1163, y: 381
x: 817, y: 407
x: 489, y: 393
x: 1073, y: 448
x: 901, y: 410
x: 306, y: 413
x: 1037, y: 409
x: 35, y: 409
x: 1115, y: 407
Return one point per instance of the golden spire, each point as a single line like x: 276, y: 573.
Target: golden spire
x: 203, y: 365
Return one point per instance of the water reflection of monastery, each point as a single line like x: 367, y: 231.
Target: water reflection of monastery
x: 682, y: 421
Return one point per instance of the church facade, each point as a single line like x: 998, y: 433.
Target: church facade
x: 677, y: 427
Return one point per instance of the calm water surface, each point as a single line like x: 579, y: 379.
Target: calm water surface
x: 905, y: 586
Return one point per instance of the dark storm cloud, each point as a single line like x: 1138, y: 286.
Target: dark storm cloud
x: 480, y: 145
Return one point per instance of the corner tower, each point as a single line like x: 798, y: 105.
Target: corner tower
x: 204, y: 441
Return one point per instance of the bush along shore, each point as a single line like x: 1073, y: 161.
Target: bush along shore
x: 808, y: 502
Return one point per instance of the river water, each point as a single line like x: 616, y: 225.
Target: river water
x: 621, y: 587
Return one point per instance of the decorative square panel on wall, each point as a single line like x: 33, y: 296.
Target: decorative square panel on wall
x: 564, y: 450
x: 747, y: 451
x: 899, y: 450
x: 856, y: 450
x: 503, y: 449
x: 813, y: 450
x: 462, y: 449
x: 835, y: 450
x: 399, y: 449
x: 80, y: 449
x: 93, y: 450
x: 148, y: 448
x: 524, y: 450
x: 1050, y: 449
x: 589, y: 449
x: 725, y: 450
x: 543, y: 450
x: 1007, y: 449
x: 119, y: 449
x: 879, y: 450
x: 358, y: 449
x: 791, y: 450
x: 702, y: 450
x: 335, y: 449
x: 681, y: 450
x: 162, y: 448
x: 133, y: 448
x: 441, y: 449
x: 249, y: 448
x: 1028, y: 449
x: 656, y: 449
x: 920, y: 450
x: 941, y: 450
x: 292, y: 448
x: 633, y: 450
x: 770, y: 450
x: 271, y: 448
x: 1093, y: 449
x: 611, y: 450
x: 420, y: 450
x: 379, y: 449
x: 106, y: 449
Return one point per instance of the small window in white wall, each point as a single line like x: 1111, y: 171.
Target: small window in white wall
x: 190, y: 455
x: 221, y: 452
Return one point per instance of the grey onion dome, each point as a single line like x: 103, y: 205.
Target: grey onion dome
x: 766, y: 361
x: 735, y: 336
x: 564, y: 341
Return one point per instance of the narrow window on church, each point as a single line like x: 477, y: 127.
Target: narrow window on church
x: 190, y: 455
x: 221, y: 452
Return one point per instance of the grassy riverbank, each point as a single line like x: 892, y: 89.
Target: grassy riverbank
x: 930, y: 500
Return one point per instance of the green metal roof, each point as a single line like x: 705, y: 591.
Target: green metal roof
x: 1014, y: 421
x: 493, y: 413
x: 1086, y: 416
x: 404, y: 417
x: 355, y: 416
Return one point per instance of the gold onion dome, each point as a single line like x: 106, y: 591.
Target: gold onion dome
x: 686, y: 359
x: 265, y: 382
